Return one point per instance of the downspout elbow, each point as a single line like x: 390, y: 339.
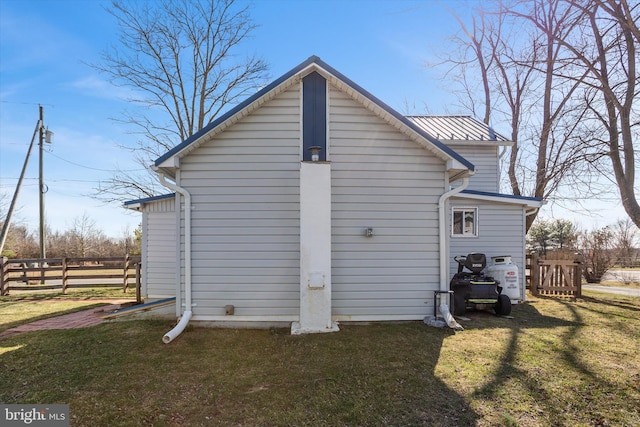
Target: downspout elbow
x: 448, y: 317
x: 177, y: 330
x: 532, y: 211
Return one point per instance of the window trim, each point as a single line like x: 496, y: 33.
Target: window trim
x: 464, y: 210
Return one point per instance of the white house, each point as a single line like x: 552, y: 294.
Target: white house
x: 313, y: 203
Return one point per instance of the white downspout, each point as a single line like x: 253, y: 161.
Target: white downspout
x: 444, y: 256
x: 186, y: 315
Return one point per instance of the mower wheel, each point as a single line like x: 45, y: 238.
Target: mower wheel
x: 459, y: 306
x: 503, y: 306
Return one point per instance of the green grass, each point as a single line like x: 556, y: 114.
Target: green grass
x: 556, y: 363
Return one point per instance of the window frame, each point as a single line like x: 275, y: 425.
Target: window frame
x: 464, y: 210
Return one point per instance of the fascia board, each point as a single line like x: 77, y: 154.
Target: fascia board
x: 138, y: 204
x: 132, y: 206
x: 530, y: 202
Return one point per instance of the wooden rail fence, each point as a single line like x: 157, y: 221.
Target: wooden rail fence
x: 65, y: 273
x: 554, y: 277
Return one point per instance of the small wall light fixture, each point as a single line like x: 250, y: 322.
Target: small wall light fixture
x: 315, y: 152
x: 368, y: 232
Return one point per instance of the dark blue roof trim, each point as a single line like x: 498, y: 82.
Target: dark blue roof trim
x: 504, y: 196
x: 315, y: 60
x: 150, y: 199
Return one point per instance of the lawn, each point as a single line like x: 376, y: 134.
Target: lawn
x: 556, y: 363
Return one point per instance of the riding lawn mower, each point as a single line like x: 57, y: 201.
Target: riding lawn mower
x: 473, y: 289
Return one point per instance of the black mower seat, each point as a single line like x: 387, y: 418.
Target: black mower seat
x: 475, y: 263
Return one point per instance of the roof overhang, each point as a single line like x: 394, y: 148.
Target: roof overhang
x: 138, y: 204
x: 528, y: 202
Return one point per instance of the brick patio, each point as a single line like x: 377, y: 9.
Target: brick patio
x: 80, y: 319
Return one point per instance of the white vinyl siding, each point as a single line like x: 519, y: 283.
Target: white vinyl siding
x: 384, y: 181
x: 244, y: 186
x: 501, y: 232
x: 159, y: 254
x: 485, y: 159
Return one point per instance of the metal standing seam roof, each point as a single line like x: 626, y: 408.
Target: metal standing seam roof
x: 314, y: 60
x: 457, y: 128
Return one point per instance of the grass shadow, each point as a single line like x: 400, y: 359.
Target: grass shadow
x: 631, y: 303
x: 380, y: 374
x: 548, y: 359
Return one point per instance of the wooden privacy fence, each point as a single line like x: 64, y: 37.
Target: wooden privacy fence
x: 554, y: 277
x: 65, y: 273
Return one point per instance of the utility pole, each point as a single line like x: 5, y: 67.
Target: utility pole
x: 44, y: 136
x: 43, y: 251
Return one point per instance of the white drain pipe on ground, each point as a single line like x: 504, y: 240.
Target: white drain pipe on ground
x: 444, y: 256
x: 186, y: 315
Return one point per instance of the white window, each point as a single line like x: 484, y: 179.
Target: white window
x: 464, y: 222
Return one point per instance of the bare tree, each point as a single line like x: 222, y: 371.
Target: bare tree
x: 565, y: 80
x: 599, y: 54
x: 85, y: 238
x: 626, y: 236
x: 596, y: 250
x: 515, y: 64
x: 182, y: 61
x: 609, y: 58
x: 477, y: 44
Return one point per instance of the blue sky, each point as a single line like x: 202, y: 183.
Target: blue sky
x: 382, y: 45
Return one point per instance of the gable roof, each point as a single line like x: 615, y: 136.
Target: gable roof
x: 459, y: 129
x: 456, y: 164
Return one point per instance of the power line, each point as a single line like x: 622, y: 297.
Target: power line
x: 27, y: 103
x: 95, y: 169
x: 74, y: 195
x: 6, y: 178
